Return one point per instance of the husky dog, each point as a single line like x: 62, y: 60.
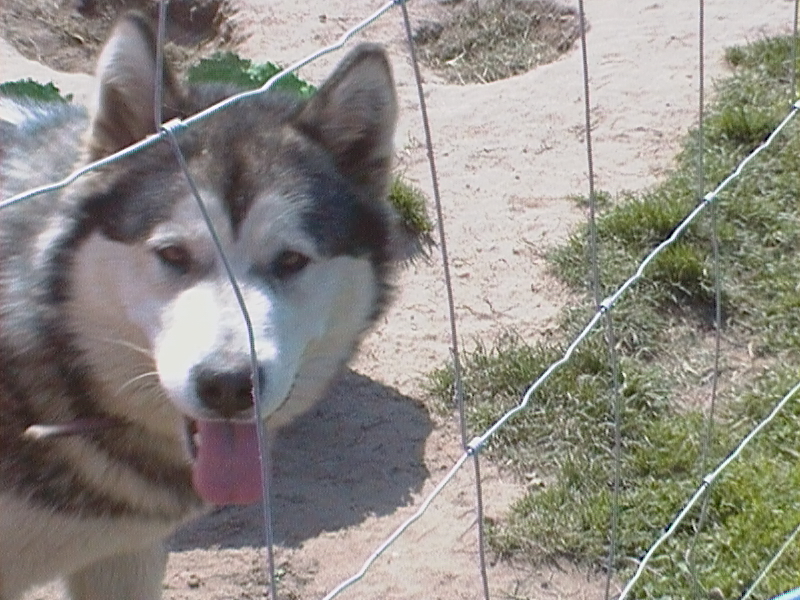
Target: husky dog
x: 126, y: 402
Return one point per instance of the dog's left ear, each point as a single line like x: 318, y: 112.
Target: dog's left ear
x: 353, y: 115
x: 126, y: 74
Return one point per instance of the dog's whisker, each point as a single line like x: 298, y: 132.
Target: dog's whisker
x: 41, y: 431
x: 125, y: 343
x: 139, y: 378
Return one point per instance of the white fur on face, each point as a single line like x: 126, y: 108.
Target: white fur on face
x: 303, y: 333
x: 304, y: 327
x: 339, y: 297
x: 113, y: 304
x: 200, y: 322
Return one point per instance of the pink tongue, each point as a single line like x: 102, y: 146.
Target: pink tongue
x: 227, y: 469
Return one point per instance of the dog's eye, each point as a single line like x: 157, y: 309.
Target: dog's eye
x: 175, y: 257
x: 289, y: 263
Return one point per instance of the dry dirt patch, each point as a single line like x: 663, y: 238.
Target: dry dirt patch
x: 67, y: 35
x: 480, y: 41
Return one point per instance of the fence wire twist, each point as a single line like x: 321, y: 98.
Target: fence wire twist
x: 708, y: 480
x: 473, y: 448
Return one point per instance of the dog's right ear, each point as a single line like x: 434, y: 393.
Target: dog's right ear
x: 126, y: 73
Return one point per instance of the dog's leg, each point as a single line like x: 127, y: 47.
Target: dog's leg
x: 137, y: 574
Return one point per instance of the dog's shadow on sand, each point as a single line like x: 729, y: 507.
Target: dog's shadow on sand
x: 359, y: 453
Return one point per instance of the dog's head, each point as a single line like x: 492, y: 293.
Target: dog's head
x: 296, y: 193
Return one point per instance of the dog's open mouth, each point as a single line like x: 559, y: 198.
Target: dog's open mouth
x: 226, y: 462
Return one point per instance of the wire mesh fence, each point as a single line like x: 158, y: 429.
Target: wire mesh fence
x: 473, y: 445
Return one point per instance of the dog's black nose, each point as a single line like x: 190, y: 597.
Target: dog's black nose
x: 226, y: 391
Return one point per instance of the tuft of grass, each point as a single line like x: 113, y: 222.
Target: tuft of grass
x: 562, y: 443
x: 414, y: 236
x: 410, y: 203
x: 682, y: 273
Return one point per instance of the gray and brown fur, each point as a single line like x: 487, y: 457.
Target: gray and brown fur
x: 94, y: 507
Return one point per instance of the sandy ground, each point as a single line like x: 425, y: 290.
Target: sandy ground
x: 509, y: 154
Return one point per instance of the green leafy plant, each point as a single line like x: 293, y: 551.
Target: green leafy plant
x: 28, y: 88
x: 228, y: 67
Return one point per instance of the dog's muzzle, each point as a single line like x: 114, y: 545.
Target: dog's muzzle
x: 226, y: 393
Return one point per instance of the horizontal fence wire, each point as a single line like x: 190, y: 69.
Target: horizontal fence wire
x: 179, y: 124
x: 477, y: 443
x: 701, y: 490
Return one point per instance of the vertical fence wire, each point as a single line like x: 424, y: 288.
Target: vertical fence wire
x: 158, y: 91
x: 263, y: 442
x: 616, y: 409
x: 610, y: 337
x: 708, y: 433
x: 594, y: 266
x: 793, y: 66
x: 458, y: 386
x: 261, y: 429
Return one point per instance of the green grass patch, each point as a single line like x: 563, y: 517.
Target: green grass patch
x: 562, y: 443
x: 410, y: 204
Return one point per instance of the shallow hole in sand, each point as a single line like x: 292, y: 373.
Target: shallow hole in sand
x: 480, y: 41
x: 67, y: 35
